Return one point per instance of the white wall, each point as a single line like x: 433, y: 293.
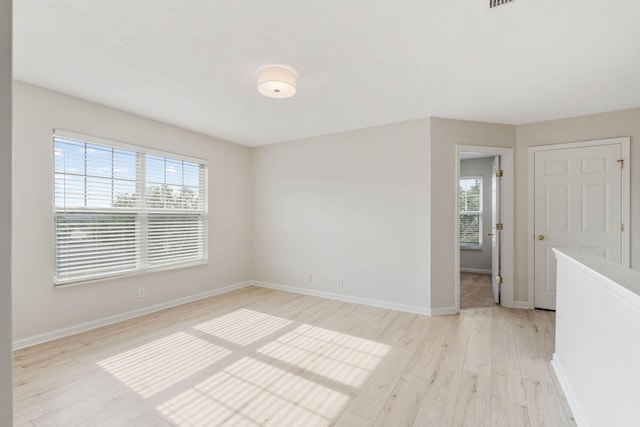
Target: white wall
x: 583, y: 128
x: 6, y: 359
x: 472, y: 258
x: 38, y: 307
x: 445, y: 135
x: 597, y: 339
x: 353, y: 204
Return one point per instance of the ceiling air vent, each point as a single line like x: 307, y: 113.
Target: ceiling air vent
x: 496, y: 3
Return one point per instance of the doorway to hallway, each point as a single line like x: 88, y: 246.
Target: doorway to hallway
x: 484, y: 226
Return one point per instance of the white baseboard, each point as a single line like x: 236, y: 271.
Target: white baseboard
x: 522, y: 304
x: 442, y: 311
x: 475, y: 270
x: 346, y: 298
x: 65, y: 332
x: 576, y: 411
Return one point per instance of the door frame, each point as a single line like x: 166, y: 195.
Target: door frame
x: 507, y: 213
x: 625, y: 193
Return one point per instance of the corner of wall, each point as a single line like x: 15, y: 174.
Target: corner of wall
x: 446, y: 134
x: 428, y: 266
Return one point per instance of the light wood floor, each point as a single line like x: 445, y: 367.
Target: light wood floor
x: 263, y: 357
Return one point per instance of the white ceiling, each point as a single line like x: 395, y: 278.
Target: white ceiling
x: 193, y: 63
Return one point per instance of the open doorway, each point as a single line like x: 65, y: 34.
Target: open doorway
x: 484, y: 233
x: 478, y: 239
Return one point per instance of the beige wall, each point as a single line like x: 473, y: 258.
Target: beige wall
x: 584, y: 128
x: 445, y: 135
x: 472, y: 258
x: 352, y: 204
x: 6, y: 402
x: 375, y: 206
x: 38, y: 307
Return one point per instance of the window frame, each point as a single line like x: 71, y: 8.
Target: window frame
x: 479, y: 213
x: 142, y: 212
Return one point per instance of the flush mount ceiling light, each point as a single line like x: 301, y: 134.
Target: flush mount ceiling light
x: 276, y: 82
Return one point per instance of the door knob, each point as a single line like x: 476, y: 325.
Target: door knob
x: 540, y: 237
x: 490, y: 234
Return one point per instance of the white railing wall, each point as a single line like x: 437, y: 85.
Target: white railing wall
x: 597, y: 354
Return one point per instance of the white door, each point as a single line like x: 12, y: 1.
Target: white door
x: 578, y: 204
x: 496, y: 274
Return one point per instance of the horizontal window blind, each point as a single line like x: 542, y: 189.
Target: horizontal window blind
x: 120, y: 209
x: 470, y: 206
x: 470, y: 229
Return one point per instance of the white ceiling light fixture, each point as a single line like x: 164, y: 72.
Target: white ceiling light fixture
x: 277, y: 81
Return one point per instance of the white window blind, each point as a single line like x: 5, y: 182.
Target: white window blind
x: 470, y: 206
x: 121, y: 209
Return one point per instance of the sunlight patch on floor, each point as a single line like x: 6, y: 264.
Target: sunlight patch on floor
x: 334, y: 355
x: 251, y: 392
x: 154, y: 367
x: 243, y: 327
x: 303, y: 376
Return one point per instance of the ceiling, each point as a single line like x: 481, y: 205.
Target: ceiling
x: 361, y: 63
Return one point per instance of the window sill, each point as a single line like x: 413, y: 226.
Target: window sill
x: 132, y: 273
x: 470, y: 247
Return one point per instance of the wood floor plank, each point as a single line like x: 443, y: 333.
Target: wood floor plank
x: 402, y: 406
x: 349, y: 419
x: 543, y: 406
x: 373, y: 396
x: 478, y: 358
x: 562, y: 399
x: 506, y: 376
x: 426, y: 357
x: 532, y: 362
x: 257, y: 356
x: 545, y: 333
x: 473, y: 405
x: 508, y: 414
x: 504, y: 354
x: 439, y: 402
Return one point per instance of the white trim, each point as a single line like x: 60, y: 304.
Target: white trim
x: 621, y: 281
x: 625, y: 143
x: 83, y: 327
x: 443, y: 311
x: 523, y: 304
x: 576, y: 411
x: 347, y: 298
x: 626, y: 202
x: 65, y: 134
x: 70, y: 283
x: 531, y: 228
x: 475, y: 270
x: 507, y: 211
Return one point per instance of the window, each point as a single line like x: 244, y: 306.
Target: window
x: 121, y: 209
x: 470, y: 205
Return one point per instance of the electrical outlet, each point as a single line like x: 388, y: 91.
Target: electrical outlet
x: 339, y: 281
x: 310, y: 279
x: 141, y: 292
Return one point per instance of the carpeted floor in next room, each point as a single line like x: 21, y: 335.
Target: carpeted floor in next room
x: 475, y: 290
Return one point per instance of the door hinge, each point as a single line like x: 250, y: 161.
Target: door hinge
x: 499, y: 226
x: 621, y: 163
x: 621, y: 227
x: 499, y: 279
x: 499, y: 173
